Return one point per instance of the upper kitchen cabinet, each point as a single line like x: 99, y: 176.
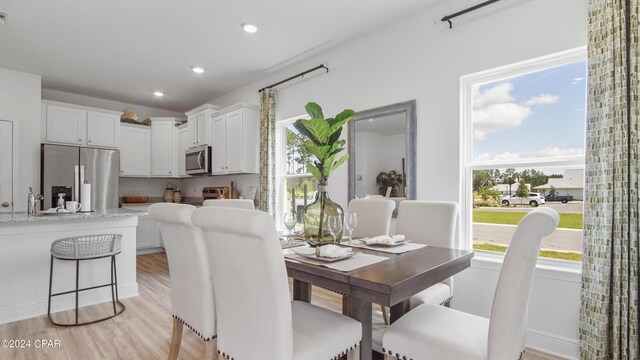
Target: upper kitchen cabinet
x: 79, y: 125
x: 164, y: 152
x: 135, y: 147
x: 197, y: 120
x: 234, y: 140
x: 184, y: 142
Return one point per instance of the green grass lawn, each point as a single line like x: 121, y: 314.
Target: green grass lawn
x: 567, y: 220
x: 561, y: 255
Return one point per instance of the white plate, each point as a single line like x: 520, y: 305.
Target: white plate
x: 389, y: 245
x: 310, y: 253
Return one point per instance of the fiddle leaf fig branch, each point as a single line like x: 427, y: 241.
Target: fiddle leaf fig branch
x: 325, y: 135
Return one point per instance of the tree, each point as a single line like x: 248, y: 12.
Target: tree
x: 481, y: 178
x: 523, y: 190
x: 553, y: 190
x: 487, y: 192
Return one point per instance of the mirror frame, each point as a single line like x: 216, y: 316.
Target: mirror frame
x: 409, y: 109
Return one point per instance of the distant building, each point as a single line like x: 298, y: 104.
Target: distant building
x: 504, y: 188
x: 571, y: 183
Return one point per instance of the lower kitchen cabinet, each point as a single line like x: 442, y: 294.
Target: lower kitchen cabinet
x: 148, y: 238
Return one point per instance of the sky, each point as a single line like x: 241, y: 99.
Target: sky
x: 541, y: 114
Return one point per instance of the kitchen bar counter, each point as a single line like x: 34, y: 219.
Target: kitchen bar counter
x: 25, y: 257
x: 20, y: 217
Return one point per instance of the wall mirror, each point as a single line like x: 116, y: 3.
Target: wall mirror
x: 382, y: 146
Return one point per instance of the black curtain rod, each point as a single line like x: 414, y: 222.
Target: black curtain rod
x: 462, y: 12
x: 293, y: 77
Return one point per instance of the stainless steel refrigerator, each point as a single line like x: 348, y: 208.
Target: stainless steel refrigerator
x: 63, y: 169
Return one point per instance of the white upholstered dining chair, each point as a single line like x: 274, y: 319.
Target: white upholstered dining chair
x: 374, y: 216
x: 232, y: 203
x: 192, y: 299
x: 255, y: 317
x: 432, y: 223
x: 437, y: 332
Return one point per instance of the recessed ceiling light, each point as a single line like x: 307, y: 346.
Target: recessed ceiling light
x: 158, y: 93
x: 249, y: 27
x: 197, y: 69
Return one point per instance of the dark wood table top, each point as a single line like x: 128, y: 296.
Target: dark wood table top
x: 387, y: 282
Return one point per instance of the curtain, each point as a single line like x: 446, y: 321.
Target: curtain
x: 609, y: 311
x: 267, y: 177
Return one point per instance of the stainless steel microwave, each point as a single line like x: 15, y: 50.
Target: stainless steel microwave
x: 198, y: 160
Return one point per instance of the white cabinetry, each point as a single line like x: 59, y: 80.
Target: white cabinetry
x: 183, y: 144
x: 81, y: 126
x: 234, y: 140
x: 148, y: 237
x: 135, y: 147
x: 197, y: 119
x: 163, y: 147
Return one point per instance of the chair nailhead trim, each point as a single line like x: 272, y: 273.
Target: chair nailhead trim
x: 397, y: 355
x: 194, y: 330
x: 226, y: 356
x: 446, y: 301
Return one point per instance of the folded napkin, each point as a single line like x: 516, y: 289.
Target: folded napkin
x: 333, y: 251
x: 57, y: 210
x: 384, y: 239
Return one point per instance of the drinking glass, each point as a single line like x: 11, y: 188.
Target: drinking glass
x: 335, y: 226
x: 350, y: 223
x: 290, y: 219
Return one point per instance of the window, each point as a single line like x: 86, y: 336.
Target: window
x: 523, y: 146
x: 296, y: 187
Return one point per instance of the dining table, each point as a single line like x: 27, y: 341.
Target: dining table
x: 390, y: 282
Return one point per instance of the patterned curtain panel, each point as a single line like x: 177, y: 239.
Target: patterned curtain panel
x: 267, y: 178
x: 609, y: 313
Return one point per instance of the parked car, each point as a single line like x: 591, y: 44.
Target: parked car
x: 555, y: 197
x: 534, y: 200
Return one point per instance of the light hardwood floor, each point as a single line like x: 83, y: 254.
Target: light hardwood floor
x: 143, y: 331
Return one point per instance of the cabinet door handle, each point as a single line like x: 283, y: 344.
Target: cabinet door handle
x: 5, y: 204
x: 88, y: 141
x: 169, y: 172
x: 79, y: 140
x: 121, y: 171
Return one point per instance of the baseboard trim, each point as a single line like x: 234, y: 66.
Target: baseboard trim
x: 558, y: 346
x: 65, y: 302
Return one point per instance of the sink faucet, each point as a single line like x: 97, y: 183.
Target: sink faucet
x: 32, y: 200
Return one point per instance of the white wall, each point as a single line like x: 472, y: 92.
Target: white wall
x: 20, y: 99
x: 420, y: 58
x: 143, y: 112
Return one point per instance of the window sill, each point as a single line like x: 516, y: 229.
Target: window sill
x: 545, y: 268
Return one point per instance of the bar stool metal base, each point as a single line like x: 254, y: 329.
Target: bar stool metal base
x: 113, y: 285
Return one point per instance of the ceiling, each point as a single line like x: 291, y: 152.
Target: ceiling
x: 124, y: 50
x: 386, y: 125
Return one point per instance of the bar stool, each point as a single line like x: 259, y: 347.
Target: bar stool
x: 80, y: 248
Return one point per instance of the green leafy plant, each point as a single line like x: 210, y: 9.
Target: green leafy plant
x: 389, y: 179
x: 325, y: 140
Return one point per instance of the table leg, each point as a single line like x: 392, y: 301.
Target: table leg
x: 361, y: 310
x: 301, y: 291
x: 399, y: 309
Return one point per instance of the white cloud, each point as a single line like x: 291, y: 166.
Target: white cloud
x: 553, y: 151
x: 549, y: 151
x: 495, y: 109
x: 542, y: 99
x: 498, y: 117
x: 496, y: 95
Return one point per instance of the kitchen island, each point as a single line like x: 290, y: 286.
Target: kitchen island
x: 25, y: 243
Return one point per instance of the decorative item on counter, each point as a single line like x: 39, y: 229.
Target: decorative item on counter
x: 85, y: 197
x: 135, y: 199
x: 168, y: 193
x: 129, y: 116
x: 324, y: 145
x: 177, y: 195
x: 233, y: 192
x: 147, y: 122
x: 223, y: 192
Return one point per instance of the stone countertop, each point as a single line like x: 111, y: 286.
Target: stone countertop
x: 22, y: 217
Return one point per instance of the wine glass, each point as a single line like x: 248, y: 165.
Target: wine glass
x: 335, y: 226
x: 290, y: 219
x: 350, y: 223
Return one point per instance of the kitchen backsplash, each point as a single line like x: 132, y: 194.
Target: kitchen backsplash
x: 190, y: 187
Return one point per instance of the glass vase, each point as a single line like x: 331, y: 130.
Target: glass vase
x: 315, y: 215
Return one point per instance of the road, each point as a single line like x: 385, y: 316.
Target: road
x: 561, y: 239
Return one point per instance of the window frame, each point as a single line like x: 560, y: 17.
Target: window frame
x: 468, y: 165
x: 281, y: 168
